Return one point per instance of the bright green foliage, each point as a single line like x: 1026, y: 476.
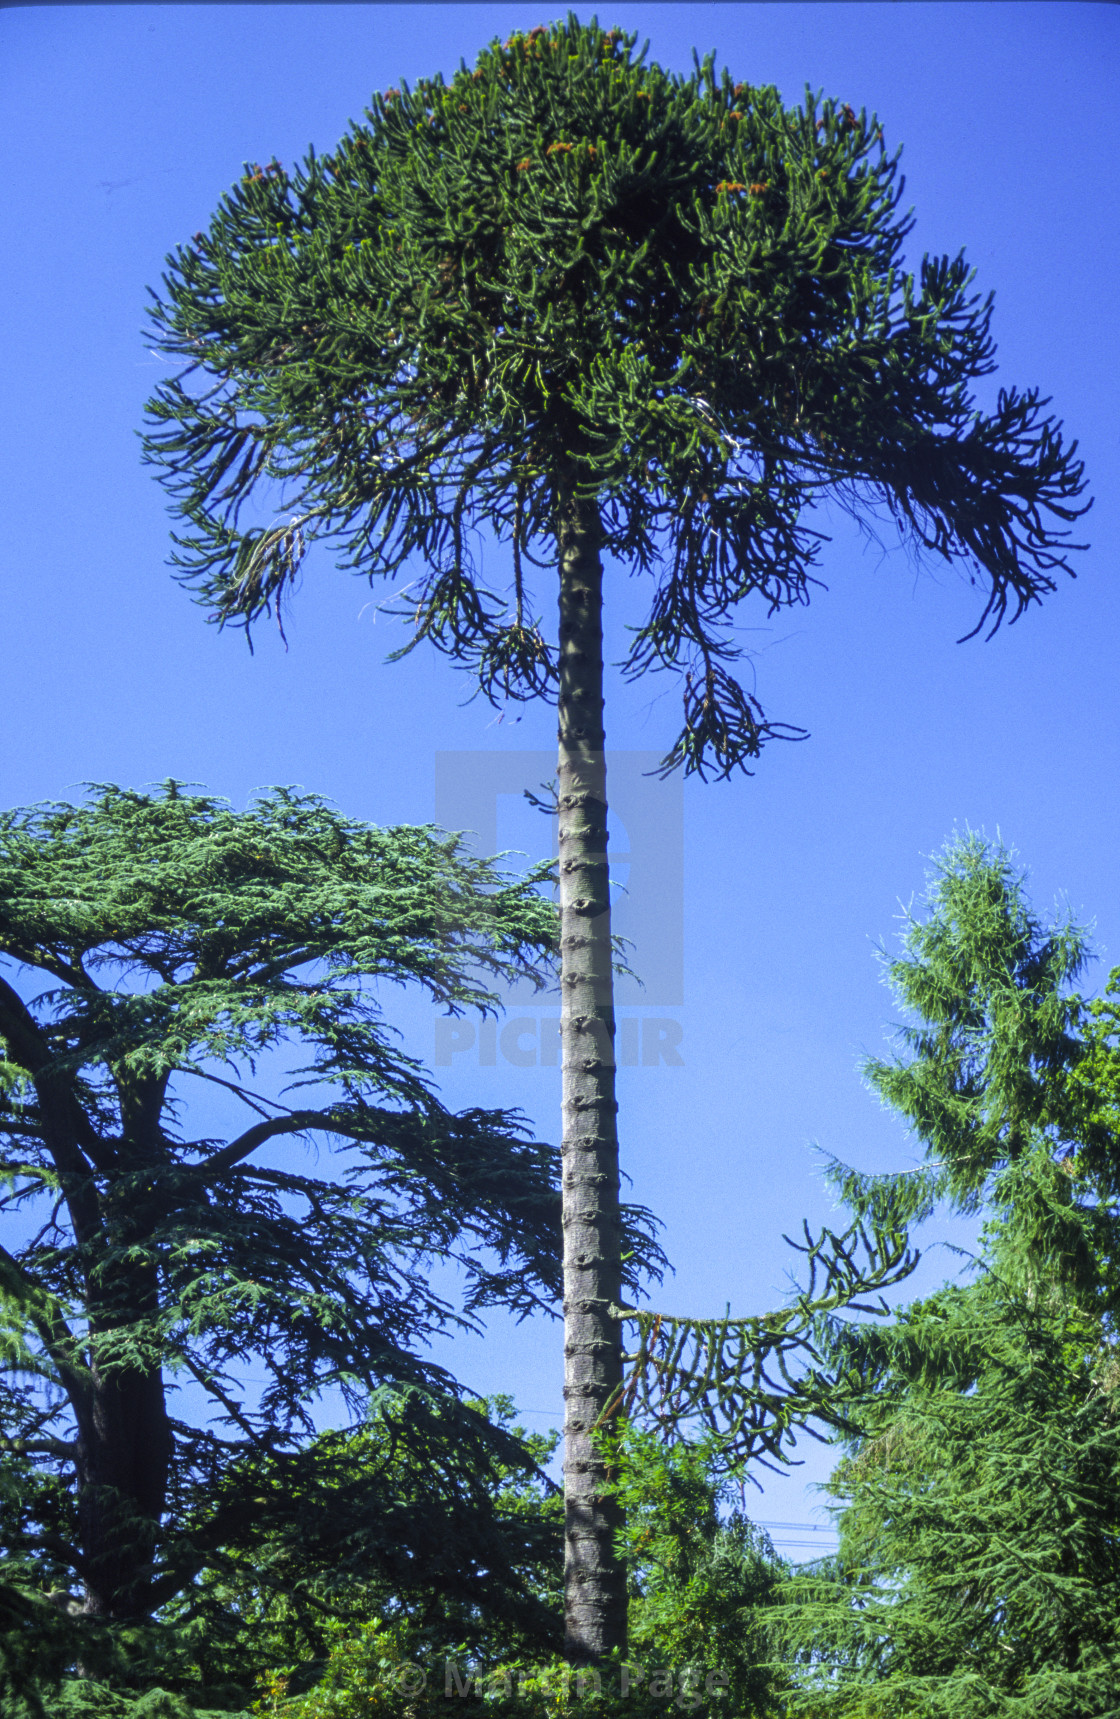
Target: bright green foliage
x: 983, y: 1080
x: 568, y: 264
x: 381, y: 1673
x: 979, y: 1566
x: 702, y: 1576
x: 1093, y: 1090
x: 161, y: 954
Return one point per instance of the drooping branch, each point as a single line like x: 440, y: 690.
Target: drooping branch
x: 756, y: 1382
x: 731, y: 336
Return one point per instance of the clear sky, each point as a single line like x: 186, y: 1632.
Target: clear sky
x: 122, y: 125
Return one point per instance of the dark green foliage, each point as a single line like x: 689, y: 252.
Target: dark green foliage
x: 159, y: 950
x: 570, y: 267
x: 588, y: 306
x: 434, y: 1517
x: 751, y: 1386
x: 702, y: 1582
x: 86, y: 1698
x: 979, y: 1567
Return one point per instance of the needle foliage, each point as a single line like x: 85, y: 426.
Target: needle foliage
x: 979, y: 1565
x: 588, y: 308
x: 224, y: 1187
x: 566, y: 262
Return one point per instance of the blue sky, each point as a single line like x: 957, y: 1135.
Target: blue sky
x: 122, y: 127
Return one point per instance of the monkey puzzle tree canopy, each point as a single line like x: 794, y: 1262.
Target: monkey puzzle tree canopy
x: 673, y: 294
x: 588, y: 305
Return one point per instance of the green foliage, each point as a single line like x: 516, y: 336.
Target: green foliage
x: 1093, y: 1092
x: 979, y: 1566
x: 414, y: 1520
x: 376, y: 1672
x: 702, y: 1577
x: 569, y: 267
x: 750, y: 1385
x: 85, y: 1698
x: 702, y: 1580
x: 584, y: 305
x: 158, y: 948
x: 984, y: 1079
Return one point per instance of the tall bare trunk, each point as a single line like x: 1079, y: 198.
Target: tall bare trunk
x: 594, y: 1580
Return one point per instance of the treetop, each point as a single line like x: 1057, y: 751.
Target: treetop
x: 569, y: 271
x: 180, y: 929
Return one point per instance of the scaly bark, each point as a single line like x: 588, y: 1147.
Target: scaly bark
x: 594, y: 1580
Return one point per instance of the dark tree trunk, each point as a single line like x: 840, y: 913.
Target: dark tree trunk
x: 123, y: 1457
x: 124, y: 1451
x: 594, y: 1579
x: 124, y: 1438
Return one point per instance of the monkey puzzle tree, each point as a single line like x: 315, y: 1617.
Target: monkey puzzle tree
x: 598, y: 309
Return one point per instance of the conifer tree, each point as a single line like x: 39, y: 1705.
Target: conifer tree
x: 596, y: 309
x: 979, y: 1563
x: 161, y: 952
